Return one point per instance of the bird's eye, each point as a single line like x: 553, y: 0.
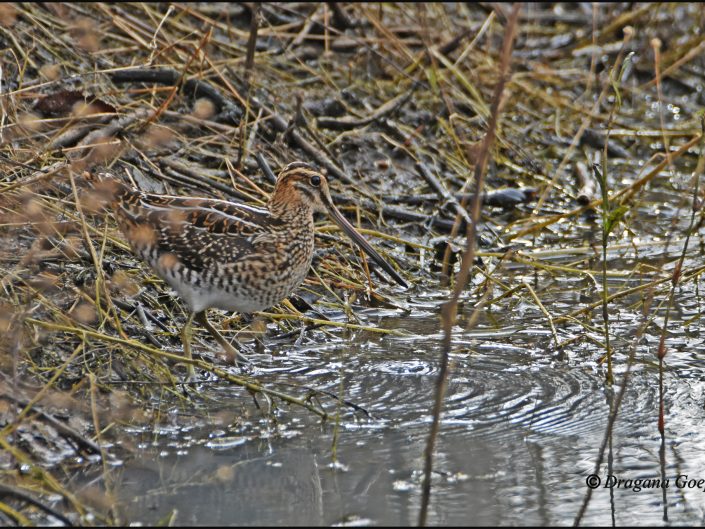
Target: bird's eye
x: 315, y: 180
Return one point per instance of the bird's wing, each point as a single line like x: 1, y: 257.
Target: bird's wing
x: 199, y: 232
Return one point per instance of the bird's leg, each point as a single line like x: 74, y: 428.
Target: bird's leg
x: 232, y: 353
x: 186, y: 334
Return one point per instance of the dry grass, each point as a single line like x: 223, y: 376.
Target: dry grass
x: 365, y: 91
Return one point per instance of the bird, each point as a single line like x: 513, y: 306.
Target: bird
x: 228, y: 255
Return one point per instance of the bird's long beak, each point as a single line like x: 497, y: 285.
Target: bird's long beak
x: 351, y: 232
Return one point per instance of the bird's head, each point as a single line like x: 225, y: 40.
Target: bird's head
x: 300, y: 189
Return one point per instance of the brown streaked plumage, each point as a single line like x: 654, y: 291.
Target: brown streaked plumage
x: 219, y: 254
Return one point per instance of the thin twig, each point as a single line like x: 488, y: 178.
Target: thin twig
x: 449, y: 309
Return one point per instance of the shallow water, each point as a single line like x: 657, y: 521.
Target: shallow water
x: 521, y: 430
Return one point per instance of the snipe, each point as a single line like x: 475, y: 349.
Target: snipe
x: 225, y: 255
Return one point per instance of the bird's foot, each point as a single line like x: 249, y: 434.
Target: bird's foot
x: 234, y: 355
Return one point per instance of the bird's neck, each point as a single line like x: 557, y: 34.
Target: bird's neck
x: 287, y: 205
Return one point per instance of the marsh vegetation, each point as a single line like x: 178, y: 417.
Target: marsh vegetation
x: 572, y: 344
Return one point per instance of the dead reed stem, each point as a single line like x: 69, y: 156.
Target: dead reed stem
x: 449, y: 308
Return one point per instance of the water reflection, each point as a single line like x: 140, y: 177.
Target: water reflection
x: 521, y: 430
